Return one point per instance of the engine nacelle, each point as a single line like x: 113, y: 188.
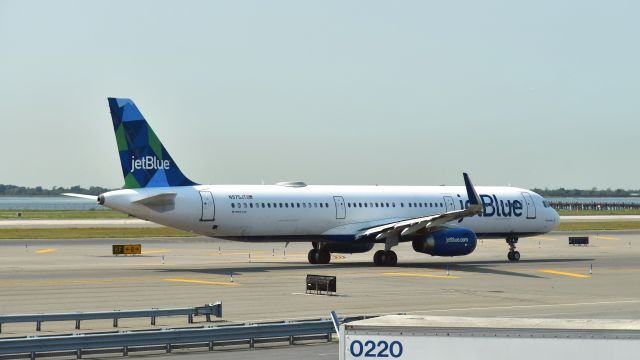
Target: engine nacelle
x: 348, y: 248
x: 449, y: 242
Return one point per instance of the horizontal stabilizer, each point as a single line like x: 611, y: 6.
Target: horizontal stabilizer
x: 82, y: 196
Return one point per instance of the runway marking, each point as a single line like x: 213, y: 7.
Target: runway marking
x: 607, y: 237
x: 339, y: 257
x: 159, y: 251
x: 204, y: 282
x: 545, y: 238
x: 422, y: 275
x: 556, y: 272
x: 75, y: 281
x: 45, y: 251
x: 222, y: 252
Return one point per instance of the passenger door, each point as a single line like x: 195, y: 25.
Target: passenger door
x: 531, y: 207
x: 341, y: 211
x: 208, y: 206
x: 448, y: 202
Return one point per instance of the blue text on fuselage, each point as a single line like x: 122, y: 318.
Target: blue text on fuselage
x: 492, y: 206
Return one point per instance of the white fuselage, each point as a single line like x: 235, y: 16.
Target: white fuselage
x: 331, y: 213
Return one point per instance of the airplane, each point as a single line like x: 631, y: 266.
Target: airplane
x: 437, y: 220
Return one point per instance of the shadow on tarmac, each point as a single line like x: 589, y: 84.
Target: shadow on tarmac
x: 478, y: 267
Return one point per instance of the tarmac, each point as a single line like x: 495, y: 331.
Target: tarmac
x: 261, y: 282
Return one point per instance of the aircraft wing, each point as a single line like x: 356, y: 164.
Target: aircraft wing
x: 410, y: 226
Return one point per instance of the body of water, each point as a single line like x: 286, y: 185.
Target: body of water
x: 47, y: 203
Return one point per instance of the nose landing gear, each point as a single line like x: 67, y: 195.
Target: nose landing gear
x: 513, y: 255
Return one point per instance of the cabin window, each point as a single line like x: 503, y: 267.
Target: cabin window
x: 441, y: 205
x: 409, y: 204
x: 233, y: 205
x: 251, y: 205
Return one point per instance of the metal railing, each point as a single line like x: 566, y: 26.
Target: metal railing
x: 206, y: 310
x: 168, y: 339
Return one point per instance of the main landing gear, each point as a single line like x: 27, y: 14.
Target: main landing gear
x: 319, y: 256
x: 385, y: 258
x: 513, y: 255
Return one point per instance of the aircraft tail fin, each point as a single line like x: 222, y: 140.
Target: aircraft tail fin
x: 145, y: 162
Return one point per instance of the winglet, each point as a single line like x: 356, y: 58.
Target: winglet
x: 474, y: 200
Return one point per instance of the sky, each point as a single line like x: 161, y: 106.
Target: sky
x: 528, y: 94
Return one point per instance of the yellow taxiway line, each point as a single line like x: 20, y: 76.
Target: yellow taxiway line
x: 422, y: 275
x: 607, y: 238
x: 564, y: 273
x: 45, y: 251
x: 159, y: 251
x: 204, y: 282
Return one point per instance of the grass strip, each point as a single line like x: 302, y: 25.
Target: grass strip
x: 91, y: 233
x: 598, y: 225
x: 599, y: 212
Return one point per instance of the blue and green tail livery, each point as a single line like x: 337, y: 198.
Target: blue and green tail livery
x: 145, y: 162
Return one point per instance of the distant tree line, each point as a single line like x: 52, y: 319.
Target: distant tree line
x: 13, y: 190
x: 593, y: 192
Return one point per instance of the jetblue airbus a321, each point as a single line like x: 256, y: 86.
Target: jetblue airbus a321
x: 437, y: 220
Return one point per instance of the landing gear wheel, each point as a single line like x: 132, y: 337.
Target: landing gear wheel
x: 513, y: 255
x: 312, y: 256
x: 390, y: 258
x: 323, y: 256
x: 377, y: 257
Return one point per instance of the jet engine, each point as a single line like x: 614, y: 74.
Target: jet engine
x: 448, y: 242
